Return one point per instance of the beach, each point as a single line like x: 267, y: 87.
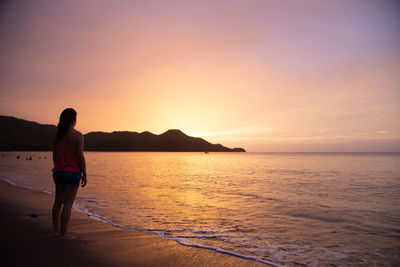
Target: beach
x: 196, y: 209
x: 26, y: 237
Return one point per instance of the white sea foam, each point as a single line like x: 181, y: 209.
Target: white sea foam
x: 8, y: 181
x: 272, y: 208
x: 178, y: 239
x: 27, y: 187
x: 182, y: 241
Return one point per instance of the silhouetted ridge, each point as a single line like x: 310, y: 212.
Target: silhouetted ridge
x: 17, y: 134
x: 174, y: 132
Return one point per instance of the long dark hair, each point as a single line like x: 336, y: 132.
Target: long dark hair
x: 67, y: 117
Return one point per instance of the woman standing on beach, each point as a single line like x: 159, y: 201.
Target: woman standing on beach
x: 69, y: 169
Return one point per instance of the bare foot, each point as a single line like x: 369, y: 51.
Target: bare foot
x: 67, y: 236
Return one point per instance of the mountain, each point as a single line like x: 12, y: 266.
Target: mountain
x: 171, y: 140
x: 18, y: 135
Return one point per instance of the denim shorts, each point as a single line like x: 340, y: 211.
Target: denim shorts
x: 67, y: 178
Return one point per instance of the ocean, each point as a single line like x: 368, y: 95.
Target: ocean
x: 283, y: 209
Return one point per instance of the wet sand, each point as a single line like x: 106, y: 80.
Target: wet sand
x: 27, y: 240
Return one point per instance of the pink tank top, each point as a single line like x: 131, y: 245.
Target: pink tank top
x: 67, y: 157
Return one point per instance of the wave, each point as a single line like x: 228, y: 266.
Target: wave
x: 182, y: 240
x: 179, y: 239
x: 27, y: 187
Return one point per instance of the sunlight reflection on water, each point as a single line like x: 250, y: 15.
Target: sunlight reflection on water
x: 313, y: 209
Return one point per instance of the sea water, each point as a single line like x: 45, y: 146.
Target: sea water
x: 314, y: 209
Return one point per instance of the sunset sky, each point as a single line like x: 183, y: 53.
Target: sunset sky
x: 263, y: 75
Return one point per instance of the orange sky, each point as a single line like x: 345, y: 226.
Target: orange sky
x: 263, y: 75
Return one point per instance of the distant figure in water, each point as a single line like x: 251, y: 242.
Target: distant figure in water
x: 30, y: 157
x: 17, y: 156
x: 69, y: 170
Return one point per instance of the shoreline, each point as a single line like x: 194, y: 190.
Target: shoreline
x: 26, y: 235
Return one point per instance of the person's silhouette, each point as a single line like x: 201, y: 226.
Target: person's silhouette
x: 69, y: 169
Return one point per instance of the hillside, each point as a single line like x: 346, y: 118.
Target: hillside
x: 19, y: 135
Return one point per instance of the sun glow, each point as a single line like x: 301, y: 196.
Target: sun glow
x: 263, y: 76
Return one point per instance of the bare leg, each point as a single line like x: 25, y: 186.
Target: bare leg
x: 70, y: 193
x: 58, y: 202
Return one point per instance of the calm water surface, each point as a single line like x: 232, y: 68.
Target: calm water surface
x: 285, y: 209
